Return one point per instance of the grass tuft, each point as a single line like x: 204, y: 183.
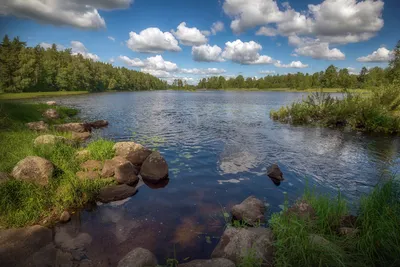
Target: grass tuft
x: 101, y: 149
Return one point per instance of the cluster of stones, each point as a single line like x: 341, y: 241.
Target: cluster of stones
x: 131, y: 163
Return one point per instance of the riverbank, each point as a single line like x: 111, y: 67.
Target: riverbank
x: 27, y: 95
x: 309, y: 90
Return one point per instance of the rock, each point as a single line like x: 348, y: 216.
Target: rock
x: 348, y: 221
x: 82, y: 155
x: 116, y: 192
x: 218, y: 262
x: 139, y: 257
x: 92, y: 165
x: 51, y: 103
x: 4, y: 177
x: 65, y: 241
x: 33, y: 169
x: 302, y: 210
x: 89, y: 175
x: 125, y: 174
x: 275, y: 173
x: 161, y: 184
x: 348, y: 231
x: 133, y: 152
x: 319, y: 241
x: 17, y: 244
x: 154, y: 168
x: 49, y: 256
x: 251, y: 211
x: 81, y: 136
x: 39, y: 126
x: 73, y: 127
x: 65, y: 216
x: 111, y: 164
x: 48, y: 139
x: 235, y: 243
x: 51, y: 113
x: 98, y: 124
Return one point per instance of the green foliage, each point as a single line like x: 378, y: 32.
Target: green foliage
x: 250, y: 259
x: 374, y: 112
x: 101, y: 149
x: 32, y: 69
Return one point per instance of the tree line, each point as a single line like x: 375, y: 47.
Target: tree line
x: 33, y: 69
x: 332, y: 77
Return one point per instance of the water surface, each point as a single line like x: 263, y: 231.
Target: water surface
x: 218, y: 145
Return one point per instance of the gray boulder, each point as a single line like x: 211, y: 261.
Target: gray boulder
x: 111, y: 164
x: 80, y: 137
x: 116, y: 192
x: 218, y: 262
x: 139, y: 257
x: 73, y: 127
x: 51, y: 113
x: 154, y: 168
x: 48, y: 139
x: 125, y: 174
x: 275, y: 173
x: 251, y: 211
x: 133, y: 152
x: 33, y: 169
x: 235, y: 243
x: 39, y: 126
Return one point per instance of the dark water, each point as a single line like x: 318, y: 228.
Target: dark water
x: 217, y: 145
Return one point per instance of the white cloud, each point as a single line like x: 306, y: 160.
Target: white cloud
x: 48, y: 45
x: 152, y: 40
x: 157, y: 73
x: 207, y: 53
x: 380, y: 55
x: 268, y: 72
x: 111, y: 38
x: 207, y: 71
x: 245, y: 53
x: 78, y: 48
x: 111, y: 60
x: 315, y: 48
x: 267, y: 31
x: 352, y: 70
x: 76, y: 13
x: 217, y: 27
x: 151, y: 63
x: 136, y: 62
x: 189, y: 36
x: 293, y: 64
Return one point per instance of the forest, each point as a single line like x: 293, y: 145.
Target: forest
x: 34, y: 69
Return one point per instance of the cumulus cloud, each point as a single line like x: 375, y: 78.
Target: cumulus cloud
x: 293, y: 64
x: 78, y: 48
x: 352, y: 70
x: 48, y: 45
x: 207, y: 53
x: 135, y: 62
x: 207, y: 71
x: 245, y: 53
x: 190, y: 36
x: 217, y: 27
x: 380, y: 55
x: 267, y: 31
x: 76, y: 13
x: 152, y: 40
x: 268, y: 72
x: 151, y: 63
x: 315, y: 48
x: 111, y: 38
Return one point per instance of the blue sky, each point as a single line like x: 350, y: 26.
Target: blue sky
x: 304, y: 36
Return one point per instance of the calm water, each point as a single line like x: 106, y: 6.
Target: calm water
x: 217, y: 145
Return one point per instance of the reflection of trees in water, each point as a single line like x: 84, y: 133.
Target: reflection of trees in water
x: 384, y: 152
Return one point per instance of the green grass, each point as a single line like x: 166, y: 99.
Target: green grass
x: 327, y: 90
x: 377, y: 244
x: 378, y: 111
x: 101, y: 149
x: 12, y: 96
x: 23, y: 203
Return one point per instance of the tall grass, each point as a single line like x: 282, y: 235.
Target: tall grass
x: 377, y: 111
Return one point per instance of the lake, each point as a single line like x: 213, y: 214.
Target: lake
x: 218, y: 145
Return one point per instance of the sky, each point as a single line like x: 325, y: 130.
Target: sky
x: 192, y: 39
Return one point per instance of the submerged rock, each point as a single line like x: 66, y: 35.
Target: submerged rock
x: 236, y: 242
x: 34, y: 169
x: 133, y: 152
x: 111, y: 164
x: 154, y: 168
x: 92, y: 165
x: 48, y: 139
x: 65, y: 216
x: 17, y: 244
x: 39, y: 126
x: 81, y: 136
x: 275, y: 173
x: 51, y: 113
x: 219, y: 262
x: 251, y: 211
x: 51, y: 103
x: 125, y: 174
x: 73, y: 127
x: 98, y: 124
x: 116, y: 192
x: 139, y: 257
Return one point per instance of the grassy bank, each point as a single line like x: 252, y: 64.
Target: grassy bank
x: 12, y: 96
x: 377, y: 242
x: 326, y: 90
x: 23, y: 203
x: 377, y: 111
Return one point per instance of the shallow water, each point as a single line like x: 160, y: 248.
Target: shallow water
x: 218, y: 145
